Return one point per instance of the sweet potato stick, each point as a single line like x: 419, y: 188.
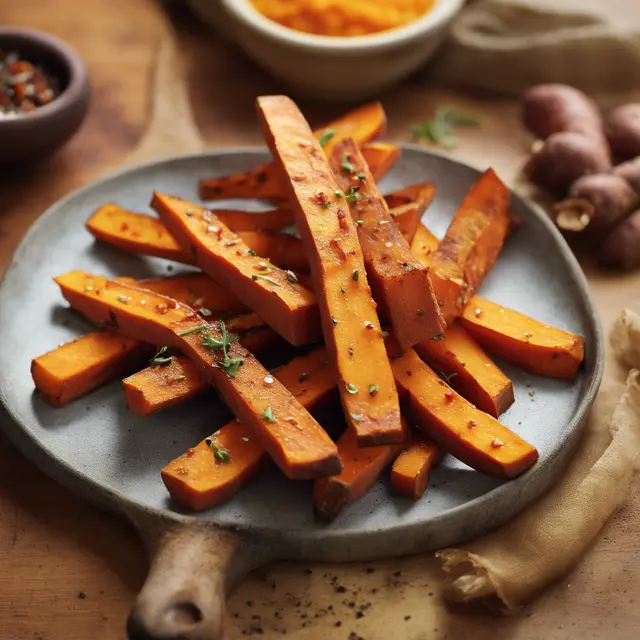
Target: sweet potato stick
x: 296, y: 442
x: 276, y: 295
x: 410, y: 471
x: 362, y: 124
x: 148, y: 236
x: 196, y: 482
x: 471, y: 245
x: 361, y: 468
x: 349, y: 321
x: 400, y: 284
x: 472, y: 436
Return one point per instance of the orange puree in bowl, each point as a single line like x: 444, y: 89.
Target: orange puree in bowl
x: 343, y: 17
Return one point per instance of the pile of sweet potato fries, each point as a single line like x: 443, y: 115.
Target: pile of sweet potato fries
x: 392, y: 311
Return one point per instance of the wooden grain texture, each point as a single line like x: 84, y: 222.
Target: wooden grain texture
x: 70, y: 571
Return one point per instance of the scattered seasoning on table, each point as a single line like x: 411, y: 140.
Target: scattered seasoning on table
x: 23, y: 86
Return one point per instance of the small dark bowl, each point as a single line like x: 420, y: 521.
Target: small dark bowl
x: 34, y: 135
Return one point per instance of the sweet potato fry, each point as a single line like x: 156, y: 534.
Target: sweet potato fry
x: 296, y: 442
x: 532, y: 345
x: 159, y: 387
x: 146, y: 235
x: 471, y: 245
x: 363, y: 124
x: 422, y: 193
x: 400, y: 284
x: 361, y: 468
x: 410, y: 471
x: 78, y: 367
x: 468, y: 369
x: 197, y: 482
x: 472, y: 436
x: 423, y: 245
x: 281, y: 300
x: 349, y: 321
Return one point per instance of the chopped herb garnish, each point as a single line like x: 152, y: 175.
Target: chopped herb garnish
x: 352, y: 389
x: 356, y: 275
x: 353, y: 196
x: 343, y: 290
x: 203, y: 311
x: 291, y: 277
x: 188, y: 332
x: 225, y: 340
x: 338, y: 193
x: 160, y: 358
x: 420, y: 313
x: 230, y: 365
x: 220, y: 454
x: 373, y: 389
x: 447, y: 377
x: 439, y: 336
x: 178, y: 378
x: 267, y: 415
x: 326, y: 136
x: 359, y: 222
x: 251, y: 252
x: 361, y: 176
x: 440, y: 129
x: 346, y: 166
x: 255, y: 276
x: 334, y: 320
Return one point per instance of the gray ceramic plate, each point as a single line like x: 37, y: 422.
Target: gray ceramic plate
x: 96, y: 447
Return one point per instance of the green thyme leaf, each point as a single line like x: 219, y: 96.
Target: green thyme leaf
x: 356, y: 275
x: 447, y: 377
x: 267, y: 415
x: 291, y: 277
x: 373, y: 389
x: 346, y: 166
x: 439, y: 336
x: 440, y: 129
x: 160, y: 358
x: 353, y: 196
x: 220, y: 454
x: 188, y: 332
x: 326, y: 136
x: 352, y: 389
x: 255, y: 276
x: 230, y: 365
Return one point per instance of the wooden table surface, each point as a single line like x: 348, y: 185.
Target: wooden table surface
x: 70, y: 571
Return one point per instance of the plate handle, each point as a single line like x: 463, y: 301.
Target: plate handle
x: 193, y: 567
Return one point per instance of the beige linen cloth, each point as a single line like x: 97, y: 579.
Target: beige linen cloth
x: 508, y: 45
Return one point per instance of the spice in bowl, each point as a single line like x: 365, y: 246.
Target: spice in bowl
x: 23, y: 86
x: 343, y: 19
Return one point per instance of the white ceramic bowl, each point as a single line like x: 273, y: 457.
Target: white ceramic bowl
x: 332, y: 68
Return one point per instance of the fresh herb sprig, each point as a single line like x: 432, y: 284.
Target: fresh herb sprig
x: 220, y: 454
x: 160, y: 358
x: 440, y: 129
x: 230, y: 365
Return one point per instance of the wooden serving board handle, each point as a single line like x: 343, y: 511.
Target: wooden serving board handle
x: 171, y: 129
x: 193, y: 568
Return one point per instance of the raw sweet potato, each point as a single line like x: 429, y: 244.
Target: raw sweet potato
x: 196, y: 480
x: 400, y: 284
x: 472, y: 436
x: 78, y: 367
x: 471, y: 245
x: 410, y: 471
x: 363, y: 124
x: 281, y: 300
x: 596, y: 201
x: 160, y: 386
x: 468, y: 369
x: 349, y: 321
x: 620, y: 249
x: 144, y: 234
x: 622, y: 128
x: 296, y: 442
x: 523, y: 341
x: 361, y: 468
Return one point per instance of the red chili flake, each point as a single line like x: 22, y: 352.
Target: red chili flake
x: 478, y: 313
x: 162, y: 309
x: 124, y: 226
x: 449, y: 396
x: 321, y: 199
x: 472, y: 424
x: 190, y: 453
